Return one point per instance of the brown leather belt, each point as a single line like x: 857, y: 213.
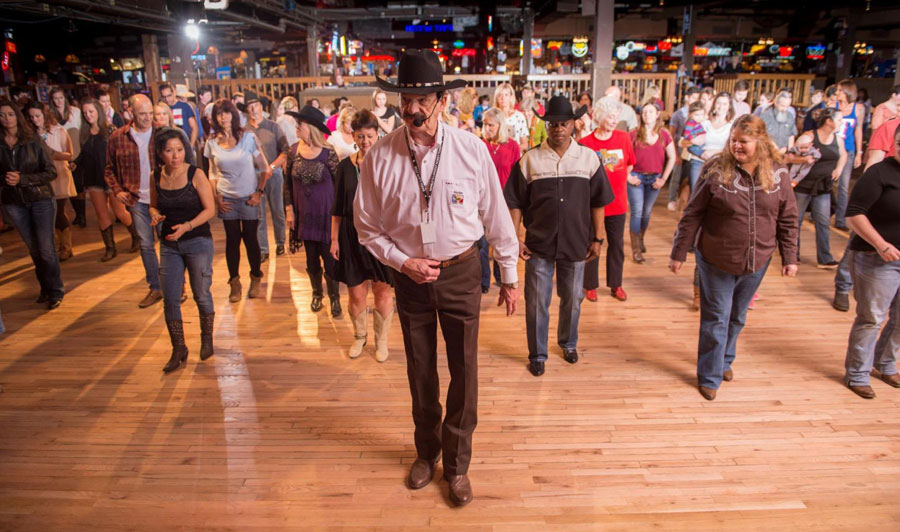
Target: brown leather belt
x: 459, y: 258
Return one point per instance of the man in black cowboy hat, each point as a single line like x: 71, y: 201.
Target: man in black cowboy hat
x: 427, y: 194
x: 560, y: 189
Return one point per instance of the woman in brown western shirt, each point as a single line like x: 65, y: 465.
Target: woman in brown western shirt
x: 742, y: 209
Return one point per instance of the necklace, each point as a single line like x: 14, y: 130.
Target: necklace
x: 492, y: 149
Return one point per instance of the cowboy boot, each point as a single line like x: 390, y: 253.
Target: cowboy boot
x: 636, y: 254
x: 642, y: 233
x: 695, y: 304
x: 78, y: 207
x: 382, y: 324
x: 315, y: 280
x: 57, y: 239
x: 359, y: 333
x: 65, y: 244
x: 206, y: 335
x: 179, y: 350
x: 135, y: 239
x: 235, y: 295
x: 334, y: 295
x: 110, y: 242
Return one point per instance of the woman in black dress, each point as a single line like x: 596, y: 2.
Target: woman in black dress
x: 355, y: 266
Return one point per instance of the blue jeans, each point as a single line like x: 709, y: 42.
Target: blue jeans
x: 196, y: 255
x: 140, y: 216
x: 484, y: 252
x: 275, y: 198
x: 843, y: 282
x: 843, y: 192
x: 821, y: 211
x: 675, y: 179
x: 539, y: 290
x: 875, y: 285
x: 35, y: 223
x: 724, y: 299
x: 640, y: 200
x: 695, y: 167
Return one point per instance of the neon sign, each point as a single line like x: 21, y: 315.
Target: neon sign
x: 429, y: 28
x: 579, y: 46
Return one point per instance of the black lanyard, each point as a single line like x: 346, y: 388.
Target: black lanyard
x: 426, y: 192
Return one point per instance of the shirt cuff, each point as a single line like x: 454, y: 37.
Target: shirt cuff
x: 396, y: 258
x: 509, y: 275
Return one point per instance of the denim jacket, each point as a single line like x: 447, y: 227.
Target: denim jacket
x: 36, y: 170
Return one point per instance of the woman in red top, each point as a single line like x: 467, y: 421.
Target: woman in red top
x: 504, y: 152
x: 654, y: 154
x: 617, y: 157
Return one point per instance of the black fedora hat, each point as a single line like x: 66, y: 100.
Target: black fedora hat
x: 559, y: 109
x: 311, y: 116
x: 420, y: 72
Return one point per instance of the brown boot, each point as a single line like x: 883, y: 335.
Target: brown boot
x: 135, y: 239
x: 643, y: 247
x: 254, y: 286
x: 179, y: 349
x: 460, y: 489
x: 708, y: 393
x: 636, y: 254
x: 235, y: 295
x: 206, y: 335
x: 695, y: 305
x: 152, y: 297
x: 65, y: 244
x: 421, y: 473
x: 110, y: 242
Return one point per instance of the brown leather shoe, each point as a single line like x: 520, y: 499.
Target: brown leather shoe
x: 866, y: 392
x: 421, y: 473
x: 728, y: 375
x: 893, y: 380
x: 460, y: 489
x: 152, y: 297
x: 708, y: 393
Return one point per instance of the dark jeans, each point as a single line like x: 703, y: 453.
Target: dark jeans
x: 675, y: 179
x: 195, y: 255
x: 843, y: 281
x: 640, y: 201
x: 724, y: 300
x: 35, y: 223
x: 455, y: 301
x: 484, y: 251
x: 539, y: 290
x: 140, y: 216
x: 235, y: 232
x: 319, y: 251
x: 821, y: 210
x: 615, y: 255
x: 274, y: 197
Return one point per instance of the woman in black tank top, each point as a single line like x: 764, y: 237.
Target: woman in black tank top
x: 815, y: 188
x: 181, y: 204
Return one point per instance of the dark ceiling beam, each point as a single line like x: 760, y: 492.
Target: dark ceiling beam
x: 103, y: 7
x: 252, y: 21
x: 77, y: 14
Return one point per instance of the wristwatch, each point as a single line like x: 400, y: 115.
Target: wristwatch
x: 599, y: 240
x: 509, y: 285
x: 261, y: 191
x: 273, y: 166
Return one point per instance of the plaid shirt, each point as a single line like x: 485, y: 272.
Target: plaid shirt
x: 123, y: 163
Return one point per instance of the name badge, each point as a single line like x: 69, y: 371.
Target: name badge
x: 429, y: 233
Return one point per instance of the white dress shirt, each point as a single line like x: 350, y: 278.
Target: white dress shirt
x: 466, y: 202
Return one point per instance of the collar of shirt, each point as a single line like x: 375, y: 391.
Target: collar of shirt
x: 573, y: 145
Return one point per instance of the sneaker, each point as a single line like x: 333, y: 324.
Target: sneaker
x: 841, y: 301
x: 618, y: 293
x: 591, y: 295
x: 830, y: 265
x: 671, y: 206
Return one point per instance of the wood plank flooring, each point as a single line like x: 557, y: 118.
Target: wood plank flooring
x: 280, y: 431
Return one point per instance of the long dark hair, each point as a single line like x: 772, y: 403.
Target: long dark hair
x: 24, y: 131
x: 226, y: 106
x: 61, y: 117
x: 49, y: 119
x: 102, y: 125
x: 163, y: 136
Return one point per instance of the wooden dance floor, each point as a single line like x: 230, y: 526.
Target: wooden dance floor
x: 281, y: 431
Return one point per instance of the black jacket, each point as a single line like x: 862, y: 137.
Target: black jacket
x: 32, y: 160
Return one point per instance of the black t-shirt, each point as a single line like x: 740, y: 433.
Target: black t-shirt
x: 346, y: 180
x: 819, y: 181
x: 877, y: 195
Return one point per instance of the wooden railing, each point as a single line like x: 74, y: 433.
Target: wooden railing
x: 633, y: 85
x: 798, y: 84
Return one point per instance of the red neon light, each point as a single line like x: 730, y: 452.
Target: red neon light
x: 461, y: 52
x: 664, y: 46
x: 4, y: 61
x: 10, y: 47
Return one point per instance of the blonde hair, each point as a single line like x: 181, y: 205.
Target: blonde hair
x: 289, y: 103
x: 164, y: 105
x: 316, y: 138
x: 501, y: 88
x: 650, y: 93
x: 467, y: 101
x: 724, y: 165
x: 375, y: 93
x: 345, y: 117
x: 502, y: 131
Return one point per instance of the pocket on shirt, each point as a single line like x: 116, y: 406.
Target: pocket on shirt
x: 461, y: 197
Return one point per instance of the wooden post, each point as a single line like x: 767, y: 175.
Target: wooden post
x: 601, y: 71
x: 152, y: 72
x: 312, y: 51
x: 687, y: 54
x: 528, y: 35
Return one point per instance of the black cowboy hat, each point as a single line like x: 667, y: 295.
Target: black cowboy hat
x: 559, y: 109
x: 420, y: 72
x: 311, y: 116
